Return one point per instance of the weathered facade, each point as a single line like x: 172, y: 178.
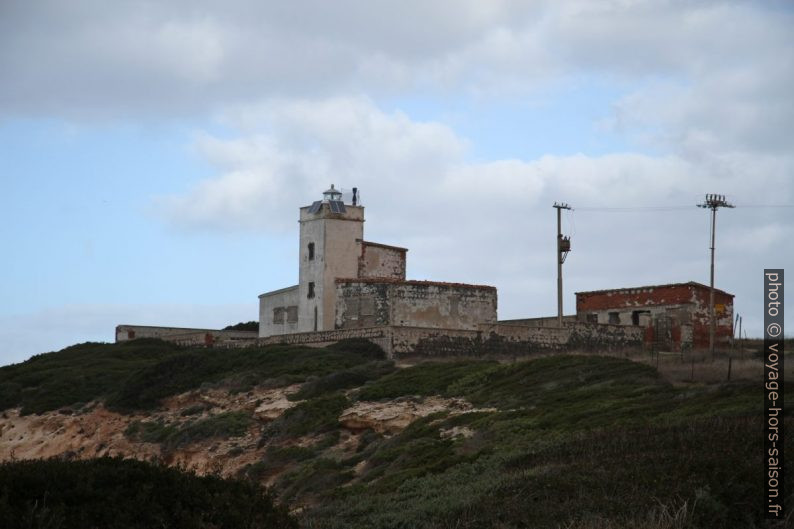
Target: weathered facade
x: 381, y: 261
x: 278, y: 311
x: 367, y: 302
x: 674, y: 316
x: 184, y: 335
x: 347, y: 282
x: 489, y: 340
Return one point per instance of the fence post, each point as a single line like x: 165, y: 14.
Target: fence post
x: 730, y: 359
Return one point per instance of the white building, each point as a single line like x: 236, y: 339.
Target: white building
x: 345, y: 281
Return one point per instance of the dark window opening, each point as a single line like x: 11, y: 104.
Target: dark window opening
x: 592, y: 318
x: 614, y: 317
x: 131, y: 335
x: 311, y: 251
x: 311, y: 290
x: 315, y: 318
x: 635, y: 316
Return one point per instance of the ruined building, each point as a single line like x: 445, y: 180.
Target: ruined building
x: 345, y: 282
x: 350, y: 288
x: 674, y: 316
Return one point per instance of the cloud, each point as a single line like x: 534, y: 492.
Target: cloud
x: 300, y: 87
x: 161, y: 60
x: 315, y: 143
x: 491, y: 221
x: 289, y: 150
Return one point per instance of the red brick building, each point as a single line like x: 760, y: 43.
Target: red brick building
x: 675, y: 316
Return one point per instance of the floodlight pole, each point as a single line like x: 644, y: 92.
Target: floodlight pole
x: 561, y: 253
x: 713, y: 202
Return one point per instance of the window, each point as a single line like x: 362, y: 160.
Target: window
x: 311, y: 251
x: 614, y: 317
x: 278, y: 315
x: 638, y: 316
x: 353, y: 307
x: 311, y: 290
x: 292, y: 314
x: 592, y: 318
x: 367, y: 306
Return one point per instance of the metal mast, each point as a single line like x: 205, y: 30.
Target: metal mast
x: 713, y: 202
x: 563, y: 247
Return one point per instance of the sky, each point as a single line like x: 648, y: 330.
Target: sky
x: 154, y: 155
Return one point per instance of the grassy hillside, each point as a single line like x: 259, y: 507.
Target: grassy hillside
x: 554, y: 442
x: 136, y: 375
x: 572, y: 440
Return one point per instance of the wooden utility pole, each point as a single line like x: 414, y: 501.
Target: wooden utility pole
x: 563, y: 247
x: 713, y: 202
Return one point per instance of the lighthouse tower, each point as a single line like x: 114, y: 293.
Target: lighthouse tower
x: 330, y: 244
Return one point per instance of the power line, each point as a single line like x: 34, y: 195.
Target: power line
x: 632, y: 209
x: 744, y: 206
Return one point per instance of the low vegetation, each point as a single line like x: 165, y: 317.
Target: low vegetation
x: 129, y: 494
x: 243, y: 326
x: 558, y: 442
x: 310, y: 417
x: 344, y: 379
x: 173, y: 436
x: 137, y: 375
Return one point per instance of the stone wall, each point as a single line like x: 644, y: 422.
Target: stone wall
x: 495, y: 340
x: 545, y: 321
x: 381, y: 260
x: 378, y: 335
x: 185, y: 336
x: 368, y: 302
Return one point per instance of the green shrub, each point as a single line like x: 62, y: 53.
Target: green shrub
x: 80, y: 373
x: 316, y: 476
x: 137, y: 374
x: 313, y: 416
x: 127, y: 494
x: 427, y: 378
x: 243, y: 326
x: 276, y: 459
x: 150, y: 431
x: 345, y: 379
x: 195, y: 409
x: 359, y: 346
x: 145, y: 388
x: 610, y: 478
x: 223, y: 425
x: 173, y: 436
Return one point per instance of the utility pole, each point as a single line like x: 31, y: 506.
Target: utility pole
x: 563, y: 247
x: 713, y: 202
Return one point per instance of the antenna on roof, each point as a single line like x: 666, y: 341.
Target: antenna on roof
x: 355, y: 196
